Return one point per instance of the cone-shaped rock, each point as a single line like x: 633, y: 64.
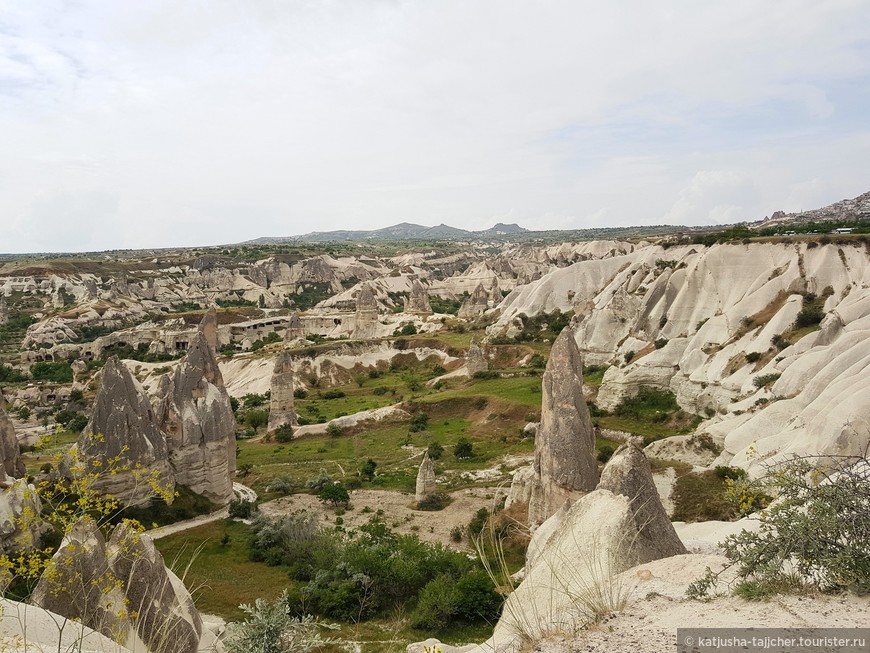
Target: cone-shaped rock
x: 474, y: 304
x: 12, y: 465
x: 123, y: 428
x: 425, y: 479
x: 194, y: 411
x: 565, y: 443
x: 366, y: 312
x: 79, y: 584
x: 295, y: 328
x: 418, y: 300
x: 209, y: 328
x: 628, y: 473
x: 281, y: 410
x: 166, y: 619
x: 476, y: 360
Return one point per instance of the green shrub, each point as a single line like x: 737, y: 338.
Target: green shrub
x: 463, y: 449
x: 11, y: 375
x: 334, y: 430
x: 486, y: 374
x: 334, y: 394
x: 419, y: 422
x: 284, y: 433
x: 435, y: 450
x: 334, y: 493
x: 300, y: 393
x: 379, y: 391
x: 54, y: 372
x: 628, y: 356
x: 763, y: 380
x: 537, y: 361
x: 753, y: 357
x: 815, y: 533
x: 477, y: 523
x: 241, y: 509
x: 605, y: 451
x: 647, y: 403
x: 661, y: 342
x: 433, y: 502
x: 368, y: 469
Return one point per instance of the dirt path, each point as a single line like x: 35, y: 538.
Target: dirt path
x: 242, y: 491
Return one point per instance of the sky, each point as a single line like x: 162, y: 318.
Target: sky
x: 152, y: 123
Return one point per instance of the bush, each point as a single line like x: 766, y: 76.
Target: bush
x: 661, y: 342
x: 419, y: 422
x: 647, y: 403
x: 284, y: 433
x: 241, y: 509
x: 281, y: 484
x: 433, y: 502
x: 815, y: 533
x: 334, y: 394
x: 764, y: 380
x: 256, y: 418
x: 334, y: 430
x: 753, y: 357
x: 54, y: 372
x: 11, y: 375
x: 463, y: 449
x: 605, y: 451
x: 368, y: 469
x: 628, y: 356
x: 334, y: 493
x: 537, y: 361
x: 300, y: 393
x: 407, y: 330
x: 435, y: 450
x: 379, y: 390
x: 477, y: 523
x: 486, y: 374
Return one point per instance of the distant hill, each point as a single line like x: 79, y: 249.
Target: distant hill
x: 844, y: 210
x: 401, y: 231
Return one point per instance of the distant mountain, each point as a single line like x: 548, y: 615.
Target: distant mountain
x: 401, y: 231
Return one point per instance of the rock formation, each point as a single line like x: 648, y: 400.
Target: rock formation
x: 10, y: 453
x: 425, y: 479
x: 20, y: 524
x: 628, y: 473
x: 281, y: 409
x: 521, y: 486
x: 366, y: 312
x: 124, y: 429
x: 121, y: 589
x: 209, y: 328
x: 565, y: 443
x: 476, y: 360
x: 295, y: 328
x: 4, y: 311
x: 475, y: 304
x: 418, y: 300
x: 195, y: 413
x: 617, y: 526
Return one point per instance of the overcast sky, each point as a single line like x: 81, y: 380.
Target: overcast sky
x: 182, y: 122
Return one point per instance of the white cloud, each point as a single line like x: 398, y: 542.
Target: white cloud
x: 223, y: 121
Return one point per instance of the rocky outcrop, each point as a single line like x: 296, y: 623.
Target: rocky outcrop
x: 209, y: 328
x: 417, y: 301
x: 10, y: 453
x: 565, y: 443
x: 521, y: 486
x: 475, y: 304
x: 366, y: 313
x: 425, y: 479
x: 4, y: 311
x: 121, y: 589
x: 281, y: 410
x: 20, y: 522
x: 628, y: 473
x: 122, y: 443
x: 295, y: 328
x: 578, y: 550
x: 476, y: 360
x: 195, y: 413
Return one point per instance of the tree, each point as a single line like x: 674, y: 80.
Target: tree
x: 256, y: 418
x: 368, y: 469
x: 435, y: 450
x: 463, y: 449
x: 334, y: 493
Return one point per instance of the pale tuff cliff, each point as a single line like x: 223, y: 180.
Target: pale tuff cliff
x: 706, y: 308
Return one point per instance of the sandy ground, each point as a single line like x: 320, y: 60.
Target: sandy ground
x: 658, y: 606
x: 398, y: 509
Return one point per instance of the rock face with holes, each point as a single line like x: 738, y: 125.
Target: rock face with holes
x: 417, y: 301
x: 195, y: 413
x: 476, y: 360
x: 122, y: 443
x: 564, y: 462
x: 281, y: 408
x: 121, y: 589
x: 12, y: 466
x: 425, y: 479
